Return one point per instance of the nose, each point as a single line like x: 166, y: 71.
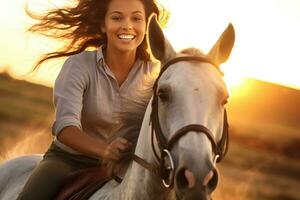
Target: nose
x: 187, y: 180
x: 126, y: 28
x: 127, y: 25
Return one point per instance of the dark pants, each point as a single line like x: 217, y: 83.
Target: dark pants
x: 46, y: 179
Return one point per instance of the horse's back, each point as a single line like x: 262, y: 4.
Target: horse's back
x: 14, y: 174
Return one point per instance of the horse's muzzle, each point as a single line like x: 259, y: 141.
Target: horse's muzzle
x: 189, y: 187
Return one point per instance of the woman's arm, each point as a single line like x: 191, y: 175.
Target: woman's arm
x: 73, y: 137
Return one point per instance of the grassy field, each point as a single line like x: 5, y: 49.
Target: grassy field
x: 263, y: 162
x: 264, y: 157
x: 26, y: 114
x: 250, y: 173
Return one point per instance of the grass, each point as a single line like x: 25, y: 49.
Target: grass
x: 248, y: 174
x: 25, y: 110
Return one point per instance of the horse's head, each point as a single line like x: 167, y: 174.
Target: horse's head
x: 188, y: 115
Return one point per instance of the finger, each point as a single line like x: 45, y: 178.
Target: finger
x: 111, y: 152
x: 117, y: 142
x: 122, y: 147
x: 122, y: 140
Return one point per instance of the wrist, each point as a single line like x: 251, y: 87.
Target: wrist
x: 101, y: 151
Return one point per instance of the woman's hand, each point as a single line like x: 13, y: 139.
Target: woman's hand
x: 116, y: 149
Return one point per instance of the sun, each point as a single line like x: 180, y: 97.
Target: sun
x: 232, y: 77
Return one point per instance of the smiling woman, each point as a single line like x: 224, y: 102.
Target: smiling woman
x: 94, y: 86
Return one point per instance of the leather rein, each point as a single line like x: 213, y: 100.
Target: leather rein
x: 166, y: 169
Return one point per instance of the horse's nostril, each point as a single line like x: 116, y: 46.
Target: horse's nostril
x: 190, y: 178
x: 185, y: 179
x: 181, y: 181
x: 208, y: 178
x: 213, y: 182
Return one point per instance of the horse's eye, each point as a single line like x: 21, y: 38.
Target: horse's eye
x: 163, y: 94
x: 224, y: 102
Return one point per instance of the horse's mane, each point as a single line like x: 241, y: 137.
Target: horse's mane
x: 192, y: 51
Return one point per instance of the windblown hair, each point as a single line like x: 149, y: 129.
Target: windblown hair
x: 79, y: 26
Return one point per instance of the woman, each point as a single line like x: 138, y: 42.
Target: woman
x: 94, y: 88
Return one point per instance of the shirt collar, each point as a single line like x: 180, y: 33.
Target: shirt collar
x: 100, y: 56
x: 102, y: 63
x: 100, y: 53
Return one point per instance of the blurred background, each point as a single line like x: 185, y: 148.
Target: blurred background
x: 262, y: 76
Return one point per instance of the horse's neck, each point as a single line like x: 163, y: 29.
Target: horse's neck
x: 138, y: 180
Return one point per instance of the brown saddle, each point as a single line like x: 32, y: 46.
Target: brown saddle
x: 82, y: 184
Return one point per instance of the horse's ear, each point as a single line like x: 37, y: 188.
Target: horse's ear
x: 160, y: 47
x: 220, y: 52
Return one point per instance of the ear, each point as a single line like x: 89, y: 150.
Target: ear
x: 102, y: 28
x: 220, y: 52
x: 160, y: 47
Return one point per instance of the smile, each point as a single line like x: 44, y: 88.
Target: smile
x: 126, y: 37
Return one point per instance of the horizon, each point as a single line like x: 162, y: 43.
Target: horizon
x: 236, y: 87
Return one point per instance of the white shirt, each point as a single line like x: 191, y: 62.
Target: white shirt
x: 87, y: 95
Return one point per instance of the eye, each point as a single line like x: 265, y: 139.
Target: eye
x: 137, y: 19
x: 224, y: 102
x: 116, y: 18
x: 163, y: 94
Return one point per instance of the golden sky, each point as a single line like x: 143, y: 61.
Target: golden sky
x: 267, y: 37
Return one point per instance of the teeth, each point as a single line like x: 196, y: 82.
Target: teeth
x: 126, y: 37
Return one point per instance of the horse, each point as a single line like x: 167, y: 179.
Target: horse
x: 183, y: 135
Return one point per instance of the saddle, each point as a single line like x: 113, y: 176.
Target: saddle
x: 82, y: 184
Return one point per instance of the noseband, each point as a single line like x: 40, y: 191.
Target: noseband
x: 166, y: 169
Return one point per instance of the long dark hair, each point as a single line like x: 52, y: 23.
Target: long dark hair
x: 79, y: 25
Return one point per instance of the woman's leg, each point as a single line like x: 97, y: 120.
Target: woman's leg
x: 46, y: 179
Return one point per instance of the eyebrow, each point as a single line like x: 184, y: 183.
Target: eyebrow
x: 134, y: 12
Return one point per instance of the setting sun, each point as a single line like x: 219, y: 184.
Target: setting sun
x: 232, y: 77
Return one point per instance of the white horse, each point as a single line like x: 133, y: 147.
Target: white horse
x: 180, y: 136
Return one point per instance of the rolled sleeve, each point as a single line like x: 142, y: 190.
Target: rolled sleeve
x: 68, y: 95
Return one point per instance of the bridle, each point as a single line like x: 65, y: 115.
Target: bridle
x: 167, y: 168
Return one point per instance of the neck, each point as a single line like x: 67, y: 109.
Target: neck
x: 138, y: 181
x: 120, y: 62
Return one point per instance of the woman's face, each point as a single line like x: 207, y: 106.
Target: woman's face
x: 125, y: 24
